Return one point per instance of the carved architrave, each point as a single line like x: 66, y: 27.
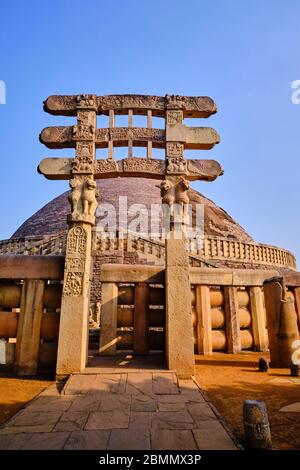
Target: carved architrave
x: 77, y: 241
x: 135, y: 134
x: 174, y: 117
x: 192, y: 106
x: 106, y: 166
x: 73, y: 286
x: 174, y: 149
x: 143, y: 165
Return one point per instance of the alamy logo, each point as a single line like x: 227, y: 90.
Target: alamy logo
x: 296, y: 94
x: 2, y: 92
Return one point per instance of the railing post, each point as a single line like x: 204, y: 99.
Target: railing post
x: 108, y: 320
x: 233, y: 333
x: 204, y: 320
x: 273, y: 296
x: 141, y: 319
x: 297, y: 304
x: 29, y: 326
x: 258, y: 318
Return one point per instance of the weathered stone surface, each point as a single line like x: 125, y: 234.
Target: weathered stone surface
x: 173, y: 440
x: 135, y: 439
x: 139, y: 383
x: 88, y: 402
x: 143, y: 403
x: 72, y: 421
x: 165, y: 383
x: 14, y: 442
x: 187, y: 386
x: 46, y: 441
x: 109, y: 383
x: 50, y: 403
x: 39, y: 428
x: 140, y: 420
x: 79, y: 384
x: 179, y: 406
x: 87, y: 440
x: 108, y: 419
x: 35, y: 418
x: 212, y: 436
x: 115, y: 402
x: 172, y: 420
x: 200, y: 411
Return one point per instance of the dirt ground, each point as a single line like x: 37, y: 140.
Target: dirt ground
x: 14, y: 393
x: 228, y: 380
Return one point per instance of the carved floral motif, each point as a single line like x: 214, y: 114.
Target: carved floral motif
x: 73, y: 284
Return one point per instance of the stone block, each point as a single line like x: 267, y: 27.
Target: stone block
x: 212, y: 436
x: 108, y: 420
x: 87, y: 440
x: 173, y: 440
x: 72, y: 421
x: 135, y: 439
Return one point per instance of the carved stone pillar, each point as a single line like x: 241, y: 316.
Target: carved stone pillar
x: 73, y: 330
x: 179, y: 328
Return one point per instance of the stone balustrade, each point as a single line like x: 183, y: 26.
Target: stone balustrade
x: 209, y: 248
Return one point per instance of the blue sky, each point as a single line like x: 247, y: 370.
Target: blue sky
x: 244, y: 54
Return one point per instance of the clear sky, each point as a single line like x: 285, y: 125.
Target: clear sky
x: 244, y: 54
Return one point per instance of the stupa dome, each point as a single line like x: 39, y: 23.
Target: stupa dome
x: 51, y: 218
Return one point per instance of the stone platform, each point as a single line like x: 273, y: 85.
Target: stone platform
x: 119, y: 408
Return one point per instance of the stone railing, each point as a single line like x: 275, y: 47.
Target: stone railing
x: 215, y: 248
x: 208, y: 249
x: 30, y: 300
x: 47, y: 245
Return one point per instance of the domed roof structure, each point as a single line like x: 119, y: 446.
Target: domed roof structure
x: 51, y: 219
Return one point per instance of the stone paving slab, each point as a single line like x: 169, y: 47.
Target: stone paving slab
x: 130, y: 411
